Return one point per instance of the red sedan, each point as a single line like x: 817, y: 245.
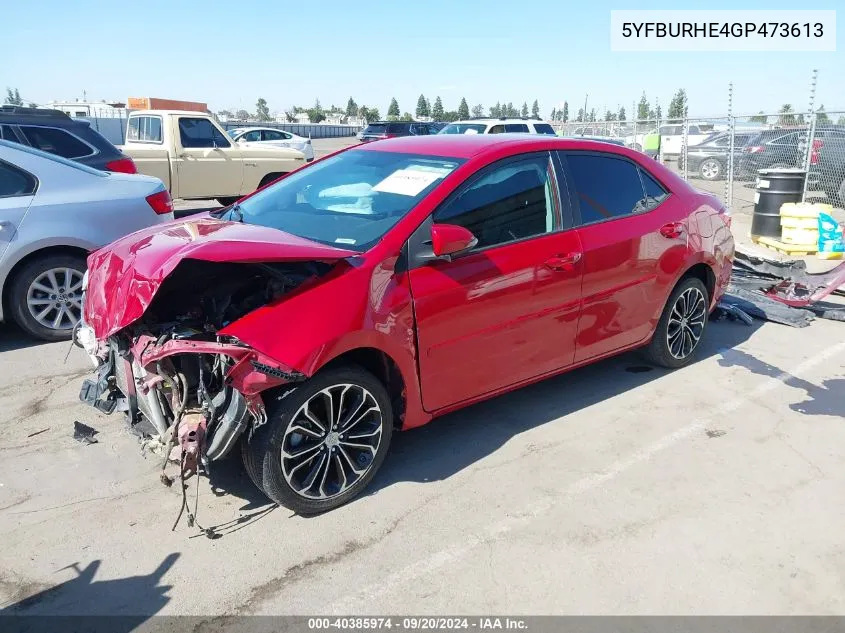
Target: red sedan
x: 390, y: 283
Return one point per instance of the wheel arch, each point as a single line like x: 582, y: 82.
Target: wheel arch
x: 45, y: 251
x: 382, y: 366
x: 703, y: 272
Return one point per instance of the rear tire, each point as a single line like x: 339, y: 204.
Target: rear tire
x: 322, y: 443
x: 46, y: 296
x: 227, y: 201
x: 710, y: 169
x: 268, y: 179
x: 681, y: 326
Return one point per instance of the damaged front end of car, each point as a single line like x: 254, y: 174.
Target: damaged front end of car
x: 175, y: 377
x: 156, y: 309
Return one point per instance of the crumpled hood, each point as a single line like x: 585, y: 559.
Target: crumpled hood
x: 124, y: 277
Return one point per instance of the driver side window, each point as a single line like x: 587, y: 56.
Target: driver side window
x: 511, y: 202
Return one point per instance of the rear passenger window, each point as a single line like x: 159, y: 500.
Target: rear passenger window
x: 14, y: 182
x: 655, y: 193
x: 511, y: 202
x: 7, y: 134
x: 516, y: 127
x: 144, y: 129
x: 544, y: 128
x: 606, y: 187
x: 497, y: 129
x: 55, y: 141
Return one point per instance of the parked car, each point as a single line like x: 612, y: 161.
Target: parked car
x: 391, y: 129
x: 786, y: 147
x: 53, y: 212
x: 248, y: 136
x: 709, y: 159
x: 363, y: 294
x: 55, y: 132
x: 499, y: 126
x: 671, y: 138
x: 197, y: 160
x: 827, y: 174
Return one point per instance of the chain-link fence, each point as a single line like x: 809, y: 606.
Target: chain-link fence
x: 723, y: 154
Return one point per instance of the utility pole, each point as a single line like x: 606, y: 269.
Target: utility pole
x: 587, y: 96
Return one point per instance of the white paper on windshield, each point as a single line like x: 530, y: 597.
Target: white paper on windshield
x: 407, y: 182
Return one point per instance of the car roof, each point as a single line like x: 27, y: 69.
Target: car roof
x: 469, y: 145
x: 497, y: 120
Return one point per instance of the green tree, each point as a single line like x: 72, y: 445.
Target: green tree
x: 622, y: 116
x: 393, y: 108
x: 759, y: 118
x: 786, y: 116
x: 451, y: 115
x: 225, y: 113
x: 609, y: 116
x: 463, y: 109
x: 524, y: 111
x: 496, y: 110
x: 840, y: 120
x: 678, y: 105
x: 406, y: 117
x: 243, y: 115
x: 437, y: 109
x: 553, y: 115
x: 364, y: 113
x: 13, y: 97
x: 351, y: 107
x: 535, y: 109
x: 658, y: 113
x: 580, y: 117
x: 262, y: 112
x: 593, y: 114
x: 643, y: 108
x: 422, y: 107
x: 821, y: 116
x: 478, y: 110
x: 512, y: 111
x: 565, y: 116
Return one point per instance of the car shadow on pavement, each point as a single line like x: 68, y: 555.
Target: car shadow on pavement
x: 450, y: 444
x: 80, y: 602
x: 827, y: 399
x: 13, y: 338
x: 229, y: 478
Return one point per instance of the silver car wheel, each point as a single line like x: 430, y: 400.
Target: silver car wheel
x: 710, y: 169
x: 686, y: 323
x: 54, y: 298
x: 331, y: 441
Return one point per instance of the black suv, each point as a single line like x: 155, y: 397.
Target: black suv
x: 55, y: 132
x: 389, y: 129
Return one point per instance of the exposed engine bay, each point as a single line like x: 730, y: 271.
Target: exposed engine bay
x: 183, y: 387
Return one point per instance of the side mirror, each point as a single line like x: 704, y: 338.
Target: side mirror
x: 450, y: 239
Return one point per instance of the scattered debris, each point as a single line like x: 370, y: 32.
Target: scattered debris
x: 39, y: 432
x: 781, y: 292
x: 711, y: 433
x: 84, y: 433
x: 732, y: 312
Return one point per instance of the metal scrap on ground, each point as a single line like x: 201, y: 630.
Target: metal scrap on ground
x: 84, y: 433
x: 782, y: 292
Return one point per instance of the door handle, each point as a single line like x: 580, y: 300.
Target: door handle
x: 563, y: 262
x: 672, y: 229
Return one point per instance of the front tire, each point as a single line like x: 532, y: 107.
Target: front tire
x: 322, y: 443
x: 227, y: 201
x: 46, y: 296
x: 681, y: 326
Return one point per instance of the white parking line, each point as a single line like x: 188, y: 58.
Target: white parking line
x: 351, y: 602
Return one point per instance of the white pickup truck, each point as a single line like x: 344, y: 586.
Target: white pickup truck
x: 197, y: 160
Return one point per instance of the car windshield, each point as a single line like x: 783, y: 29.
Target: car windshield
x: 377, y: 128
x: 464, y: 128
x: 350, y: 200
x: 234, y: 133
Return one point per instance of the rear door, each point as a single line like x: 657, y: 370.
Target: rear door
x: 17, y: 191
x: 620, y: 210
x: 507, y: 310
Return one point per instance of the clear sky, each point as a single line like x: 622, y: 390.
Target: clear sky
x: 229, y: 54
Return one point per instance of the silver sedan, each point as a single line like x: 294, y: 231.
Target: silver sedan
x: 270, y: 136
x: 53, y: 212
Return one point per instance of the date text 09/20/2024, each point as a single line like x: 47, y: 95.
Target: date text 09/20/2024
x: 428, y: 623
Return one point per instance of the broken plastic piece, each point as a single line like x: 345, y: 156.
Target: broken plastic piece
x: 735, y: 312
x: 84, y: 433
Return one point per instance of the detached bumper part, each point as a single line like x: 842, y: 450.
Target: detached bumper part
x: 93, y: 391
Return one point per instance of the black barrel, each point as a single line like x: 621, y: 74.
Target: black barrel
x: 774, y: 187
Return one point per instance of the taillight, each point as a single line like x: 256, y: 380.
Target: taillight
x: 123, y: 166
x: 754, y: 149
x: 161, y: 202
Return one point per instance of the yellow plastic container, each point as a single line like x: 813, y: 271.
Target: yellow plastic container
x: 788, y: 222
x: 804, y: 209
x: 829, y: 254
